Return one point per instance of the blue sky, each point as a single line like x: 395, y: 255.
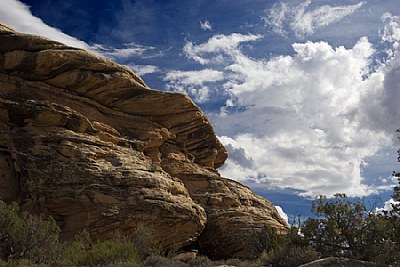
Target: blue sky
x: 304, y: 94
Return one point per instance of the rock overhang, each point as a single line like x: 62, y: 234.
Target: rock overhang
x: 37, y: 59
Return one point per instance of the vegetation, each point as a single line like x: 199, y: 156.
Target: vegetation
x: 345, y: 228
x: 283, y: 250
x: 26, y: 240
x: 342, y: 227
x: 83, y: 252
x: 24, y: 236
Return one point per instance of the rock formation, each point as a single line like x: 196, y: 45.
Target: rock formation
x: 86, y: 141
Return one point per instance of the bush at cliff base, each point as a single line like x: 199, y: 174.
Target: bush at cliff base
x: 82, y: 252
x: 283, y: 250
x: 26, y: 240
x: 24, y: 236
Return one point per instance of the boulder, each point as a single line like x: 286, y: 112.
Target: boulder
x: 235, y: 214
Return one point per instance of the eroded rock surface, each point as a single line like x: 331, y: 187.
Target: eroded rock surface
x: 86, y: 141
x: 235, y: 214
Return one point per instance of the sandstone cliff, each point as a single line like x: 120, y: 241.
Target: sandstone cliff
x: 86, y: 141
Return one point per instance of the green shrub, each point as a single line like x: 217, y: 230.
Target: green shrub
x: 286, y: 250
x: 24, y: 236
x: 75, y: 251
x: 111, y: 251
x: 265, y: 240
x: 143, y: 239
x: 288, y: 257
x: 81, y: 252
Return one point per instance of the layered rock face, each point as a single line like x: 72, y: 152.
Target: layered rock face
x: 86, y: 141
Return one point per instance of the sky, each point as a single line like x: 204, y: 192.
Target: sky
x: 303, y: 94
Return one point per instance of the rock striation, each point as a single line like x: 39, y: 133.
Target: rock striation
x: 86, y: 141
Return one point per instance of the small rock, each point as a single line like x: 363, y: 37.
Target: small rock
x: 186, y: 256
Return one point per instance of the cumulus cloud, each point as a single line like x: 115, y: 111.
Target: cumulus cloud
x: 391, y: 32
x: 314, y: 116
x: 193, y: 83
x: 218, y: 50
x: 306, y: 121
x: 205, y: 25
x: 18, y: 16
x: 383, y: 87
x: 282, y: 17
x: 238, y: 154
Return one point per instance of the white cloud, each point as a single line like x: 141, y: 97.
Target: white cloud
x: 391, y: 32
x: 282, y: 17
x: 220, y: 43
x: 143, y: 69
x: 18, y: 16
x: 206, y: 25
x: 276, y: 18
x: 305, y: 121
x: 383, y: 88
x: 387, y: 207
x: 128, y: 51
x: 282, y: 214
x: 194, y: 77
x: 193, y: 83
